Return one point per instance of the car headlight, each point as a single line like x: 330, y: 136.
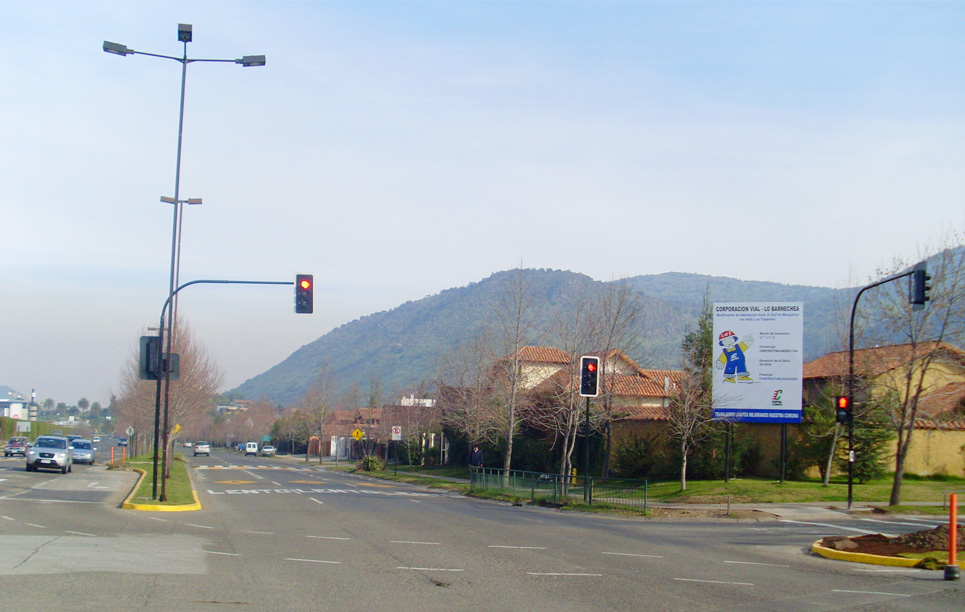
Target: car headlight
x: 31, y: 452
x: 60, y: 455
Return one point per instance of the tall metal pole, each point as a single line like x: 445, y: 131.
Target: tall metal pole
x: 586, y: 456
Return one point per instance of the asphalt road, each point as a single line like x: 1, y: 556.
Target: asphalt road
x: 277, y: 535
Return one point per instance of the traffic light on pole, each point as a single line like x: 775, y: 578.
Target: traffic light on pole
x: 589, y: 376
x: 919, y: 287
x: 842, y: 410
x: 304, y: 296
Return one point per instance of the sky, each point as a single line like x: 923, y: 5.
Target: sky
x: 398, y: 149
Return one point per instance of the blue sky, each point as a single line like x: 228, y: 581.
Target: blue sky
x: 397, y: 149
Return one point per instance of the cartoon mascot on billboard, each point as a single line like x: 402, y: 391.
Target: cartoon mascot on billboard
x: 732, y: 359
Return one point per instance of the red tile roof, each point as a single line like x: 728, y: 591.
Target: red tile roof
x: 877, y: 360
x: 543, y: 354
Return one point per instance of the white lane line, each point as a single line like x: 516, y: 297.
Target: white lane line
x: 154, y: 518
x: 431, y: 569
x: 715, y: 581
x: 314, y: 561
x: 259, y: 532
x: 36, y: 525
x: 633, y: 555
x: 327, y: 538
x: 198, y: 526
x: 214, y: 552
x: 562, y: 574
x: 7, y: 518
x: 833, y: 526
x: 89, y: 535
x: 867, y: 520
x: 422, y: 543
x: 871, y: 593
x: 753, y: 563
x: 518, y: 547
x: 317, y: 501
x: 277, y: 484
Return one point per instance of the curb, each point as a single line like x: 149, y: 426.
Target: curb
x: 840, y: 555
x: 129, y: 505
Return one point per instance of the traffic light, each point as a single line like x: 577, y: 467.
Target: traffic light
x: 842, y: 410
x: 919, y: 287
x: 304, y: 300
x: 589, y: 376
x: 149, y: 364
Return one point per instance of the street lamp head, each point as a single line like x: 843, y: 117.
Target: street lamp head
x: 116, y: 48
x: 184, y: 32
x: 251, y: 60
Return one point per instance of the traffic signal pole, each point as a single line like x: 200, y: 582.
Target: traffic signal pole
x: 162, y: 428
x: 918, y: 295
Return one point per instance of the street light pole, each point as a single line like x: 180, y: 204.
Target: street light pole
x: 184, y: 36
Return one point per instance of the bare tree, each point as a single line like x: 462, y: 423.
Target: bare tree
x: 466, y: 394
x: 514, y: 321
x: 190, y: 396
x: 690, y: 410
x: 925, y: 333
x: 615, y: 327
x: 318, y: 404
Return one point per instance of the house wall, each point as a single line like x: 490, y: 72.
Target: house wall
x: 533, y: 375
x: 933, y: 452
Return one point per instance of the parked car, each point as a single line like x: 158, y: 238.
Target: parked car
x: 50, y: 453
x: 251, y: 448
x: 268, y: 450
x: 202, y: 448
x: 17, y: 445
x: 83, y: 451
x: 122, y: 441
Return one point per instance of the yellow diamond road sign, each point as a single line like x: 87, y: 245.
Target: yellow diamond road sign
x: 357, y: 434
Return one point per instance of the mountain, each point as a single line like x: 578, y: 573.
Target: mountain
x: 400, y: 348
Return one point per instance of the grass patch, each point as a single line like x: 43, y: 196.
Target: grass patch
x: 177, y: 488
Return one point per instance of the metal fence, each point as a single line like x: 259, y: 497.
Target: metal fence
x: 560, y: 489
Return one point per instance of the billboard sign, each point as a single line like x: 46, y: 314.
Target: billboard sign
x: 758, y: 361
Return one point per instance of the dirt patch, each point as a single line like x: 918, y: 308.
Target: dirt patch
x: 928, y: 540
x: 663, y: 512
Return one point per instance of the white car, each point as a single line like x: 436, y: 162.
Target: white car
x: 50, y: 453
x: 251, y: 448
x: 202, y: 448
x: 267, y: 451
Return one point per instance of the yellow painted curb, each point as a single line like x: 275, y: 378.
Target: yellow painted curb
x: 842, y: 555
x: 129, y: 505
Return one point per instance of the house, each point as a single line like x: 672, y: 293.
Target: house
x: 938, y: 445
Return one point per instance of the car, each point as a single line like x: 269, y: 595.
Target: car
x: 50, y: 453
x: 251, y: 448
x: 202, y: 448
x: 96, y: 439
x: 83, y: 451
x: 17, y: 445
x: 72, y: 437
x: 122, y: 441
x: 268, y: 450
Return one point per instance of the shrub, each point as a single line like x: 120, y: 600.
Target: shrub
x: 370, y: 463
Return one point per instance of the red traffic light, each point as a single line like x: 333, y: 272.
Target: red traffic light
x: 843, y: 403
x: 591, y: 367
x: 304, y: 298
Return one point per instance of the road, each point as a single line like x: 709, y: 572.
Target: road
x: 278, y: 535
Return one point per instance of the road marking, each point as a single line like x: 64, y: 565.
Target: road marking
x: 518, y: 547
x: 752, y: 563
x: 314, y: 561
x: 410, y: 542
x: 198, y: 526
x: 7, y: 518
x: 714, y: 581
x: 317, y: 501
x: 259, y: 532
x: 562, y: 574
x: 277, y: 484
x: 90, y: 535
x: 832, y: 526
x: 234, y: 482
x: 214, y: 552
x: 870, y: 593
x: 867, y: 520
x: 327, y: 537
x: 431, y: 569
x: 304, y: 482
x: 36, y: 525
x: 633, y: 555
x: 154, y: 518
